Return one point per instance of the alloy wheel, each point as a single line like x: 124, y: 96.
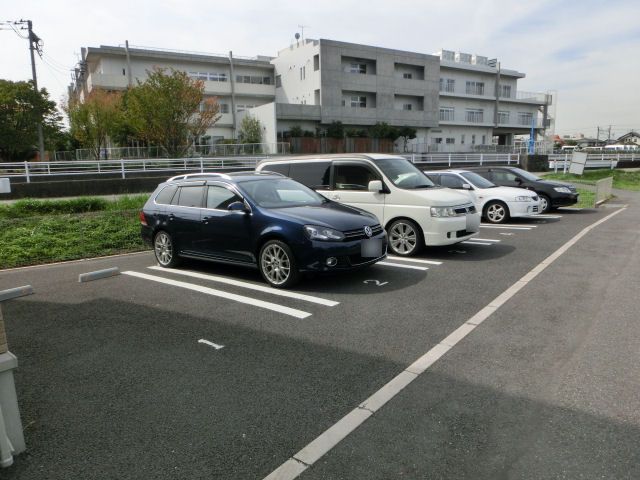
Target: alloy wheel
x: 403, y: 238
x: 275, y: 264
x: 496, y: 213
x: 163, y: 249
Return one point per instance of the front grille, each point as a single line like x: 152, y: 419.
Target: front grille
x: 534, y: 209
x: 462, y: 233
x: 465, y: 209
x: 358, y: 233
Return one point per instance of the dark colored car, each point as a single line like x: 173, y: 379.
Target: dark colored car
x: 552, y: 194
x: 261, y: 220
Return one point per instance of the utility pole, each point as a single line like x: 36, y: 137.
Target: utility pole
x: 33, y: 45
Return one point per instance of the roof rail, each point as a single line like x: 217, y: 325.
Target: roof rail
x: 196, y: 175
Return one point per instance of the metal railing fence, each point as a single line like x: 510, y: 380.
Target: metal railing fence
x: 562, y: 161
x: 453, y: 159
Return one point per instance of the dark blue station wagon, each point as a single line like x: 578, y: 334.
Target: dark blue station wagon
x: 263, y: 220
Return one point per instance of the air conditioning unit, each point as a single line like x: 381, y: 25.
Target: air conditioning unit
x: 463, y: 57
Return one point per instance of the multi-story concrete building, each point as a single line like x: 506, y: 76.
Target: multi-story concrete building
x: 239, y: 83
x: 455, y: 101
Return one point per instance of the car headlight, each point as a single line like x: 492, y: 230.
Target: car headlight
x: 562, y: 189
x: 524, y: 198
x: 443, y: 212
x: 322, y: 233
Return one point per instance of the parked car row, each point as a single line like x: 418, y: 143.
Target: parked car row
x: 299, y: 215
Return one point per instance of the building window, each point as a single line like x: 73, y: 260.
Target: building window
x: 446, y: 114
x: 451, y: 141
x: 210, y: 77
x: 407, y: 106
x: 484, y: 139
x: 278, y: 81
x: 253, y: 79
x: 407, y: 75
x: 462, y: 139
x: 358, y: 68
x: 473, y: 139
x: 224, y: 108
x: 474, y: 115
x: 525, y: 118
x: 242, y: 108
x: 447, y: 85
x: 505, y: 91
x: 437, y: 140
x: 503, y: 118
x: 358, y: 101
x: 475, y: 88
x: 316, y: 62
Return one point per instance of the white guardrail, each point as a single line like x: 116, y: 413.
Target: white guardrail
x: 562, y: 161
x: 122, y: 168
x: 451, y: 159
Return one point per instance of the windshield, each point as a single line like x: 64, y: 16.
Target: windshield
x: 478, y: 181
x: 280, y: 193
x: 403, y: 174
x: 526, y: 175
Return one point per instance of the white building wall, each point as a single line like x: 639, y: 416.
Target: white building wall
x: 297, y: 88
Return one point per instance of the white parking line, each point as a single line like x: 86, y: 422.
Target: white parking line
x: 508, y: 227
x: 475, y: 239
x: 398, y: 265
x: 312, y: 452
x: 469, y: 242
x: 544, y: 215
x: 416, y: 260
x: 211, y: 344
x: 226, y: 295
x: 250, y: 286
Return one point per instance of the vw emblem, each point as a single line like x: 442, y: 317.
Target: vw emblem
x: 367, y: 231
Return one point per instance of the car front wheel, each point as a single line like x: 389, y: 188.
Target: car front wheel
x: 404, y: 238
x: 496, y: 212
x: 278, y: 265
x: 164, y: 250
x: 545, y: 204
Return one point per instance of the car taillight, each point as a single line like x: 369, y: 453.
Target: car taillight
x: 143, y: 219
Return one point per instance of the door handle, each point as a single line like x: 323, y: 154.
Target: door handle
x: 171, y: 216
x: 205, y: 220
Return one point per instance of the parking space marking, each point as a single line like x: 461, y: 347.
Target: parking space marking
x: 475, y: 239
x: 211, y: 344
x: 470, y: 242
x: 312, y: 452
x: 398, y: 265
x: 544, y: 215
x: 415, y: 260
x: 226, y: 295
x: 508, y: 227
x: 250, y: 286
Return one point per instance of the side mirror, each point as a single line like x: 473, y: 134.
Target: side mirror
x: 518, y: 180
x: 237, y: 207
x: 466, y: 186
x: 375, y: 186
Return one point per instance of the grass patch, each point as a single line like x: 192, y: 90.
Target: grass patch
x: 621, y: 179
x: 43, y: 231
x: 587, y: 198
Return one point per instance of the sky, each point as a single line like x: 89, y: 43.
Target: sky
x: 584, y: 52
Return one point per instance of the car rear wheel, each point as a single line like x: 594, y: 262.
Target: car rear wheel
x: 496, y: 212
x: 278, y: 265
x: 545, y: 204
x: 404, y: 238
x: 164, y: 250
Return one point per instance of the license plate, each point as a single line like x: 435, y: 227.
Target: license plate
x: 473, y: 223
x: 371, y: 248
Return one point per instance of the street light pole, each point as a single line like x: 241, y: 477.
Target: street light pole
x: 33, y: 41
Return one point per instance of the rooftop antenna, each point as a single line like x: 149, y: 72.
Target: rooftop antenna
x: 302, y: 27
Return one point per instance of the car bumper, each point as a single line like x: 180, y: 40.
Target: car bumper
x: 312, y: 256
x: 523, y: 209
x: 146, y: 233
x: 447, y: 231
x: 565, y: 200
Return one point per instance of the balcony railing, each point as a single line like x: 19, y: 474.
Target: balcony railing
x: 533, y: 97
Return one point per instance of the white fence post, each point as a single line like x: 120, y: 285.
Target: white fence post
x: 122, y: 167
x: 481, y: 158
x: 449, y: 159
x: 26, y: 171
x: 201, y: 168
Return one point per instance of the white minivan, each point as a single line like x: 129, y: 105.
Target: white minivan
x: 414, y: 211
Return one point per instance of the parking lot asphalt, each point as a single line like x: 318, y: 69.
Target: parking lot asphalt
x: 195, y: 373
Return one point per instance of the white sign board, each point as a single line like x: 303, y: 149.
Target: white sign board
x: 578, y: 161
x: 5, y: 185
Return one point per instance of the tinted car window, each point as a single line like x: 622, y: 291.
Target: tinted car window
x: 451, y: 181
x: 353, y: 177
x: 477, y: 180
x: 189, y: 197
x: 282, y: 168
x: 502, y: 176
x: 313, y: 174
x: 281, y: 193
x: 220, y: 197
x: 166, y: 194
x: 435, y: 178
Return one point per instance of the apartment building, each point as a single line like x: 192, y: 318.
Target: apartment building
x: 455, y: 101
x: 239, y: 83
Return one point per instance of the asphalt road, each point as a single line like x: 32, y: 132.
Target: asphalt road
x: 113, y: 382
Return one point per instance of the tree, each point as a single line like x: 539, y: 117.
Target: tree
x: 250, y: 130
x: 384, y: 130
x: 169, y: 110
x: 335, y: 130
x: 295, y: 131
x: 407, y: 133
x: 95, y: 119
x: 21, y: 109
